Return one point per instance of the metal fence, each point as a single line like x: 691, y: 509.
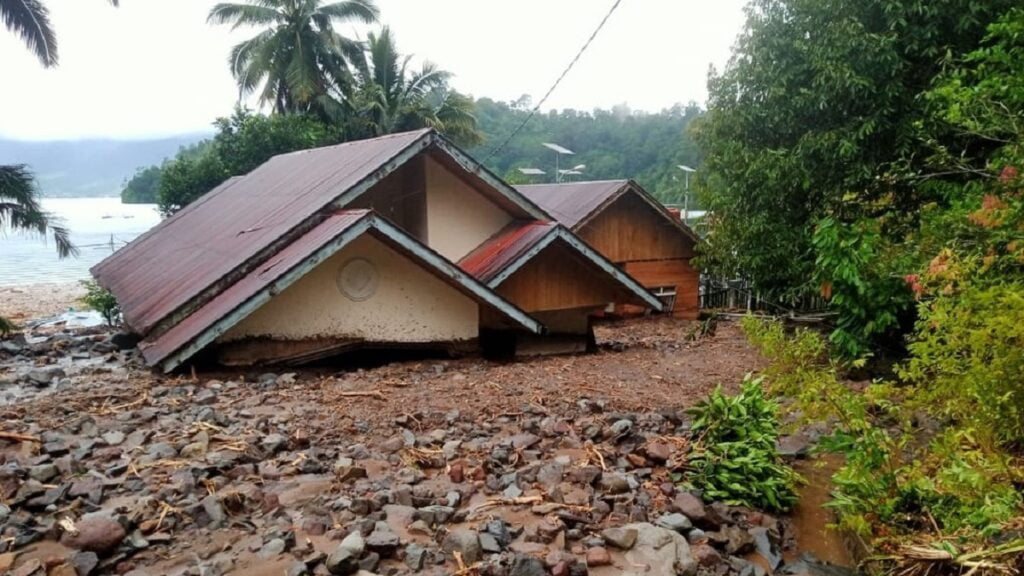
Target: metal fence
x: 716, y: 294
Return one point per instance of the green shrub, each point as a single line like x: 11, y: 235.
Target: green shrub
x: 735, y: 459
x: 6, y: 326
x: 101, y: 300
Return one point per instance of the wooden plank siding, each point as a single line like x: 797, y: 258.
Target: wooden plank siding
x: 637, y: 238
x: 678, y: 273
x: 629, y: 230
x: 557, y: 279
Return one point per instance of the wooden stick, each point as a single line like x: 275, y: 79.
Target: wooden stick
x: 19, y: 437
x: 372, y: 393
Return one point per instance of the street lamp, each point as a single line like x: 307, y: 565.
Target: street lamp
x: 576, y: 170
x: 686, y: 189
x: 559, y: 150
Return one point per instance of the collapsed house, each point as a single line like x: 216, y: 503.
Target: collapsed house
x: 398, y: 241
x: 629, y: 227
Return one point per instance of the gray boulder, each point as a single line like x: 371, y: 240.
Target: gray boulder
x: 658, y: 551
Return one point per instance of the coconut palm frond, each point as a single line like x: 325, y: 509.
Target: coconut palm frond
x: 242, y: 15
x: 20, y: 209
x: 365, y: 11
x: 31, y: 20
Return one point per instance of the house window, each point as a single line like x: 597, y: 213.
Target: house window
x: 667, y: 295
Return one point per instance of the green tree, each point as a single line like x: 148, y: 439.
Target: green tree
x: 143, y: 187
x: 298, y: 57
x: 243, y: 141
x: 389, y: 97
x: 817, y: 114
x: 30, y: 19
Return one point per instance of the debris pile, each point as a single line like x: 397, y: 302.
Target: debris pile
x: 523, y: 469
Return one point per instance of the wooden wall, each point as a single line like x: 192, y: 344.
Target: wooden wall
x: 557, y: 279
x: 630, y: 230
x: 401, y: 198
x: 678, y: 273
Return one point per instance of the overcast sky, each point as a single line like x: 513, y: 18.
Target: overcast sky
x: 154, y: 67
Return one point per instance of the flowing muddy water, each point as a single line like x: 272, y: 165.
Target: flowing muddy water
x: 810, y: 519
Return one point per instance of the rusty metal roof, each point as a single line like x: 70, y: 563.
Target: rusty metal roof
x: 491, y: 257
x: 506, y: 252
x: 214, y: 241
x: 574, y: 204
x: 273, y: 276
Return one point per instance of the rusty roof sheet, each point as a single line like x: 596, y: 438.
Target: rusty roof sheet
x: 572, y: 202
x: 156, y: 349
x: 575, y: 203
x: 491, y: 257
x: 225, y: 231
x: 296, y: 260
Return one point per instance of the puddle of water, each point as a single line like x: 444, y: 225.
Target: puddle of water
x: 810, y: 518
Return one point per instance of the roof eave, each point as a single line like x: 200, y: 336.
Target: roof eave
x: 368, y: 222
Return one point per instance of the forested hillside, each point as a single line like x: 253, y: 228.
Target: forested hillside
x: 617, y: 143
x: 93, y: 167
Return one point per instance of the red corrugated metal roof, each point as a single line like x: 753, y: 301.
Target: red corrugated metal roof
x: 155, y: 350
x: 491, y: 257
x: 572, y: 202
x: 187, y: 254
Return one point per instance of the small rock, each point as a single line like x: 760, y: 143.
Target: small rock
x: 345, y: 558
x: 214, y: 510
x: 658, y: 451
x: 43, y: 472
x: 614, y: 483
x: 415, y: 557
x: 96, y: 534
x: 489, y: 543
x: 621, y: 427
x: 675, y: 522
x: 274, y: 443
x: 274, y: 547
x: 621, y: 538
x: 598, y: 556
x: 466, y: 542
x: 382, y: 540
x: 524, y: 565
x: 113, y: 438
x: 690, y: 506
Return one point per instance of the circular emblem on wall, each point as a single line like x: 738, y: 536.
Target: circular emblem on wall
x: 358, y: 279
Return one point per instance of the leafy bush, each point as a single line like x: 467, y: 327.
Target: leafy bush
x: 101, y: 300
x: 736, y: 460
x: 6, y: 326
x: 900, y: 475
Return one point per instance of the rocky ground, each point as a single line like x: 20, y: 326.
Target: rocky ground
x: 551, y: 466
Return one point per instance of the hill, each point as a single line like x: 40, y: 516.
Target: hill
x: 91, y: 167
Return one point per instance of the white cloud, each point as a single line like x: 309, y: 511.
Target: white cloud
x: 154, y: 67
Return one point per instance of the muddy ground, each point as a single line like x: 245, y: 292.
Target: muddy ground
x: 557, y: 465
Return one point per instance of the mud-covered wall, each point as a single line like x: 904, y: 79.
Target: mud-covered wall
x: 458, y: 217
x: 408, y: 304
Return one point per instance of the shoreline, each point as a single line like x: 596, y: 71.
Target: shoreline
x: 25, y: 302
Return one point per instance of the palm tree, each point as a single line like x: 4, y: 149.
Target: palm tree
x: 31, y: 20
x: 298, y: 57
x: 20, y: 210
x: 390, y: 97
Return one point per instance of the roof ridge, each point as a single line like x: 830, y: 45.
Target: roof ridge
x: 409, y: 133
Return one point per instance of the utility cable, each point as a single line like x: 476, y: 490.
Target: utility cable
x: 533, y: 112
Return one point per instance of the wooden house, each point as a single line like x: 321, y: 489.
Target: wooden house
x: 631, y: 228
x: 399, y: 241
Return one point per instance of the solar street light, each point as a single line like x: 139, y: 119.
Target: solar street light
x: 558, y: 150
x: 686, y: 188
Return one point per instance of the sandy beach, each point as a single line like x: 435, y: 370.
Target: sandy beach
x: 30, y: 301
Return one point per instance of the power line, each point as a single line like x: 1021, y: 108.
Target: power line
x: 555, y: 85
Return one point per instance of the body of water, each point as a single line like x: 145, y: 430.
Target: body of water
x: 98, y: 227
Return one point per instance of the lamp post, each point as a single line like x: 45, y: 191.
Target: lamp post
x: 558, y: 150
x: 686, y: 190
